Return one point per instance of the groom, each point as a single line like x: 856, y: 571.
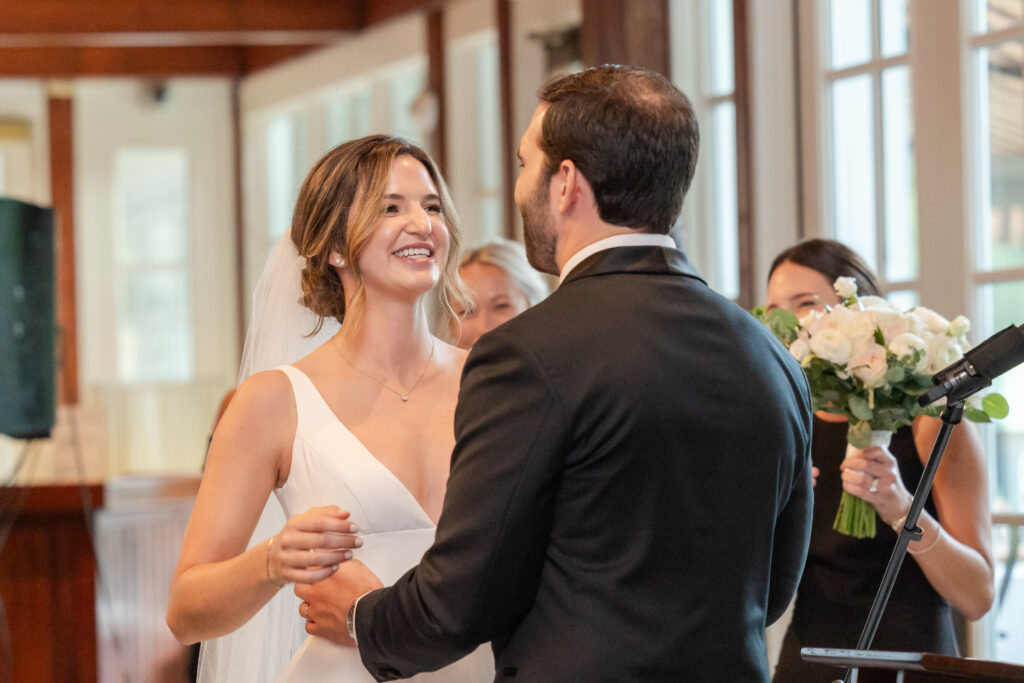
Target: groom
x: 630, y: 490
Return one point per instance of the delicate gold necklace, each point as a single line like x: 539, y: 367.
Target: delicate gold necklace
x: 404, y: 395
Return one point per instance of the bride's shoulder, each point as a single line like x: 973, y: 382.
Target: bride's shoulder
x: 268, y: 392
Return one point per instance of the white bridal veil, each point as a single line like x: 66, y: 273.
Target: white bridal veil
x: 277, y: 335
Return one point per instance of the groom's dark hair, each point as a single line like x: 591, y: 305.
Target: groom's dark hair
x: 631, y: 133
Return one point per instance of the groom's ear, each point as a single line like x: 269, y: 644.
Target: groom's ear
x: 573, y: 187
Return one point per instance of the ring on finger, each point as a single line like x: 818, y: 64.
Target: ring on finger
x: 874, y: 486
x: 306, y: 615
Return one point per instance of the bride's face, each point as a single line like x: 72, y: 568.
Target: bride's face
x: 408, y: 249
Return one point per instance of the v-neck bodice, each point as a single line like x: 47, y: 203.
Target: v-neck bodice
x: 330, y: 466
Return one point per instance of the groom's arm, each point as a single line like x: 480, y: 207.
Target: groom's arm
x: 480, y: 577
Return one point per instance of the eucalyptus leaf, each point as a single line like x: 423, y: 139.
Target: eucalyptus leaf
x: 895, y: 374
x: 859, y: 407
x: 995, y: 406
x: 975, y: 415
x: 859, y: 435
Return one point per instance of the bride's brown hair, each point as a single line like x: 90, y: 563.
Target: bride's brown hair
x: 321, y: 223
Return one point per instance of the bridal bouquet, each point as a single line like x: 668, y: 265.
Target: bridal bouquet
x: 869, y: 361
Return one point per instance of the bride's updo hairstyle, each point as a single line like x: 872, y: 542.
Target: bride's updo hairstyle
x: 360, y: 169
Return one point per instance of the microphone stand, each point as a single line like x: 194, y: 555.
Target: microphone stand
x: 951, y: 416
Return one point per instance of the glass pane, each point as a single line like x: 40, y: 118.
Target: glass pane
x: 894, y: 17
x: 726, y: 276
x: 154, y: 327
x: 993, y: 15
x: 1008, y: 643
x: 492, y: 219
x: 338, y: 120
x: 1001, y: 305
x: 405, y: 88
x: 721, y: 49
x: 904, y: 299
x: 488, y: 118
x: 849, y: 32
x: 151, y: 218
x: 853, y: 164
x: 1001, y: 124
x: 286, y: 167
x: 901, y: 248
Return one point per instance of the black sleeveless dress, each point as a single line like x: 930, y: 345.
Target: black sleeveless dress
x: 843, y: 573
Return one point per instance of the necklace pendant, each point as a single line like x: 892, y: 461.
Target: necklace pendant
x: 405, y: 397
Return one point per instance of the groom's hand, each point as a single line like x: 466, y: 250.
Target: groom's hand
x: 325, y: 603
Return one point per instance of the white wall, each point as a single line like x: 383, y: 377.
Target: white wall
x: 27, y: 168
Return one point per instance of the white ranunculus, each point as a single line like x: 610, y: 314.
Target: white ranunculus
x: 932, y: 321
x: 891, y: 323
x: 846, y: 287
x: 959, y: 326
x: 857, y: 326
x: 942, y: 351
x: 904, y: 346
x: 869, y: 366
x: 831, y: 345
x: 800, y: 349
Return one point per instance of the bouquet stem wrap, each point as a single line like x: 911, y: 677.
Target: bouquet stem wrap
x: 856, y: 516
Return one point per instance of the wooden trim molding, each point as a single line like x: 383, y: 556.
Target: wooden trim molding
x: 63, y: 199
x: 744, y: 154
x: 436, y: 84
x: 503, y: 14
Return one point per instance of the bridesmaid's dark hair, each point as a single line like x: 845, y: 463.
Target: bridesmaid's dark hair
x: 833, y: 260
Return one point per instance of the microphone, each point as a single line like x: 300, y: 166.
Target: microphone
x: 979, y: 366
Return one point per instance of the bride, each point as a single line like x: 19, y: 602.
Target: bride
x: 353, y: 439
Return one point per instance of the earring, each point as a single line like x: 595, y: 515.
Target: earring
x: 340, y: 262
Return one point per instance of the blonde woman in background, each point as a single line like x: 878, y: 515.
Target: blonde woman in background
x: 503, y: 284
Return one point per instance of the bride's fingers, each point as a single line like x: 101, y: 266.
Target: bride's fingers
x: 309, y: 575
x: 311, y: 559
x: 300, y: 540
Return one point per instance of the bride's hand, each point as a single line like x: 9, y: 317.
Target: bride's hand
x: 311, y: 545
x: 876, y: 468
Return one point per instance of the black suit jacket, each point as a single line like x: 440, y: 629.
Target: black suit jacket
x: 630, y: 491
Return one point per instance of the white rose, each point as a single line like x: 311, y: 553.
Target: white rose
x: 942, y: 351
x: 800, y: 349
x: 857, y: 326
x: 869, y: 365
x: 816, y: 321
x: 904, y: 346
x: 891, y: 323
x: 932, y: 321
x: 831, y: 345
x: 959, y: 327
x: 846, y: 287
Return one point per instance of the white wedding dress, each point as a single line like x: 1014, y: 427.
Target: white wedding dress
x: 330, y: 466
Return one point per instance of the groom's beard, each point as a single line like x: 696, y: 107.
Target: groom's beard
x: 538, y: 231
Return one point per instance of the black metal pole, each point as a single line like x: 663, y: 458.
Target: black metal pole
x: 951, y: 416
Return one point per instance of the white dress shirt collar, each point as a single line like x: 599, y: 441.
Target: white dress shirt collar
x: 635, y: 240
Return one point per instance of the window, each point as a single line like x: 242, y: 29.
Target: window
x: 702, y: 66
x: 474, y: 153
x: 996, y: 53
x: 871, y: 191
x: 153, y: 280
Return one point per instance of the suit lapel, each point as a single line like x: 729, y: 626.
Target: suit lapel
x: 648, y: 260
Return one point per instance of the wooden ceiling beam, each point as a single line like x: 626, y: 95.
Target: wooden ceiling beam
x: 133, y: 16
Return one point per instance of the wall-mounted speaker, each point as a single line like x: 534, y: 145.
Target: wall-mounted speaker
x: 27, y: 320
